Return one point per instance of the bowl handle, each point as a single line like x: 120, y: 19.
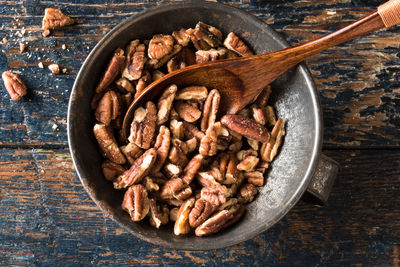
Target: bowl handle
x: 322, y: 181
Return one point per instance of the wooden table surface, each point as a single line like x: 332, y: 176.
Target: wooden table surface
x: 46, y: 217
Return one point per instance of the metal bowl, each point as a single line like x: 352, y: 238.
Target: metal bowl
x: 294, y: 96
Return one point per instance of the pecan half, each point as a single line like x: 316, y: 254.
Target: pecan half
x: 136, y: 202
x: 107, y: 143
x: 269, y: 150
x: 215, y: 223
x: 131, y: 152
x: 162, y: 145
x: 187, y: 112
x: 263, y: 97
x: 112, y: 71
x: 182, y: 219
x: 158, y: 215
x: 234, y: 43
x: 248, y: 163
x: 191, y: 168
x: 204, y: 36
x: 258, y: 114
x: 194, y: 92
x: 139, y: 169
x: 16, y: 88
x: 54, y: 18
x: 247, y: 193
x: 144, y: 125
x: 201, y: 211
x: 181, y: 37
x: 255, y: 177
x: 165, y: 103
x: 246, y: 127
x: 206, y: 179
x: 142, y: 83
x: 157, y: 63
x: 175, y: 188
x: 111, y: 170
x: 125, y: 86
x: 177, y: 153
x: 210, y: 109
x: 160, y: 45
x: 190, y: 131
x: 208, y: 144
x: 108, y: 108
x: 135, y: 60
x: 215, y: 194
x: 210, y: 55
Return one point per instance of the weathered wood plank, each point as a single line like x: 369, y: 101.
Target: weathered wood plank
x: 46, y: 218
x: 357, y: 81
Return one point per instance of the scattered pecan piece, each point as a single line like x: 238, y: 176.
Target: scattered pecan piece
x: 190, y: 131
x: 259, y: 114
x: 54, y: 18
x: 210, y: 109
x: 143, y: 126
x: 108, y: 144
x: 157, y: 74
x: 187, y: 112
x: 210, y: 55
x: 247, y: 193
x: 136, y: 202
x: 201, y: 211
x: 177, y: 153
x: 270, y: 114
x: 194, y: 92
x: 183, y: 59
x: 150, y: 185
x: 208, y: 144
x: 176, y: 128
x: 162, y: 145
x: 248, y: 163
x: 157, y: 63
x: 139, y: 169
x: 206, y: 179
x: 215, y: 194
x: 112, y: 170
x: 135, y: 60
x: 173, y: 214
x: 160, y: 45
x: 255, y: 177
x: 131, y: 152
x: 263, y: 97
x: 112, y: 71
x: 215, y: 223
x: 165, y: 103
x: 125, y: 86
x: 108, y: 108
x: 16, y: 88
x: 204, y: 36
x: 142, y: 83
x: 262, y: 166
x: 192, y: 168
x: 191, y: 144
x: 54, y: 68
x: 246, y: 127
x: 269, y: 150
x: 158, y: 215
x: 232, y: 172
x: 234, y: 43
x: 175, y: 188
x: 254, y: 144
x: 182, y: 219
x: 181, y: 37
x: 171, y: 170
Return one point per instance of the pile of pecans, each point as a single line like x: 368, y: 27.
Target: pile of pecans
x: 180, y: 163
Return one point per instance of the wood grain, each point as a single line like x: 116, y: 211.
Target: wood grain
x: 46, y: 218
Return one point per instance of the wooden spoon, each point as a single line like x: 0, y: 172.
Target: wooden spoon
x: 240, y: 80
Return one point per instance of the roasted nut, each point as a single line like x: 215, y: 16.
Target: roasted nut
x: 173, y: 115
x: 174, y: 202
x: 248, y: 163
x: 143, y: 126
x: 150, y: 185
x: 157, y: 63
x: 187, y: 112
x: 182, y: 220
x: 112, y: 170
x: 194, y: 92
x: 206, y: 179
x: 234, y: 43
x: 136, y: 202
x: 190, y: 131
x: 215, y: 194
x: 162, y: 145
x: 208, y: 144
x: 183, y: 59
x: 54, y: 18
x: 191, y: 144
x: 256, y: 178
x: 224, y: 138
x: 210, y: 109
x: 173, y: 214
x: 175, y: 188
x: 232, y: 190
x: 16, y: 88
x: 201, y: 211
x: 247, y: 193
x: 269, y: 150
x: 108, y: 108
x: 263, y: 97
x: 229, y: 204
x: 262, y: 166
x: 176, y: 128
x: 215, y: 223
x: 142, y: 83
x: 232, y: 173
x: 112, y: 71
x: 204, y: 36
x: 210, y: 55
x: 155, y: 75
x: 131, y: 152
x: 254, y: 144
x: 270, y: 114
x: 165, y: 103
x: 181, y: 37
x: 54, y: 68
x: 125, y: 86
x: 245, y: 112
x: 158, y: 216
x: 160, y: 45
x: 258, y: 114
x: 172, y: 170
x: 108, y: 144
x: 242, y: 154
x: 177, y: 153
x: 139, y: 169
x: 192, y: 168
x: 246, y: 127
x: 135, y: 60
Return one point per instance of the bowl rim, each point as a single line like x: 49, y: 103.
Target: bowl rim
x: 302, y: 68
